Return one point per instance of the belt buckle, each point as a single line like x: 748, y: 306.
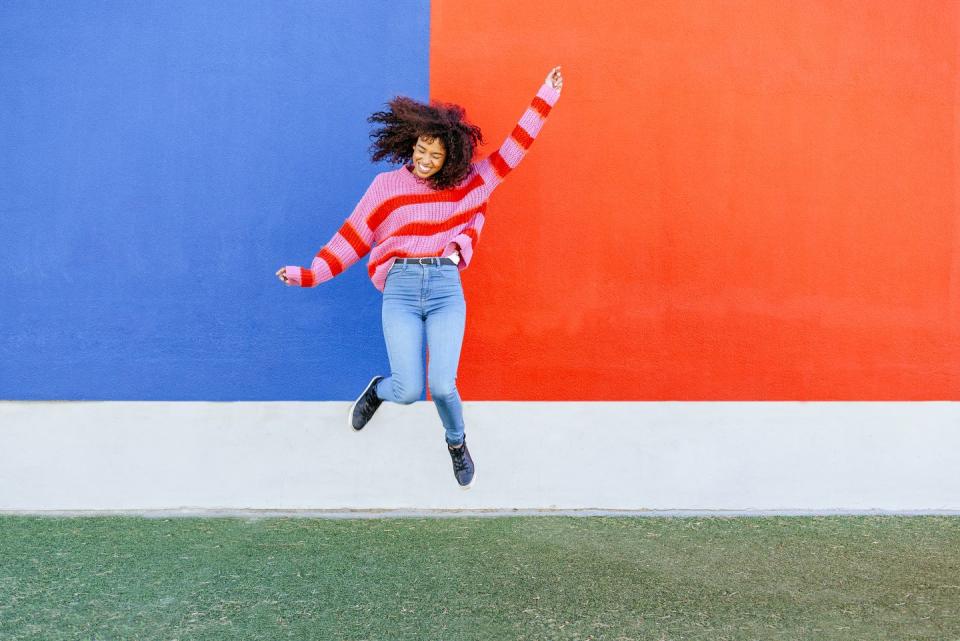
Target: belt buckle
x: 429, y: 258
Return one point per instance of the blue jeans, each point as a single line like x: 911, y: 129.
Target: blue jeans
x: 416, y: 298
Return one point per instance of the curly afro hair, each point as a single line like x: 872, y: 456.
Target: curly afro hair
x: 406, y: 120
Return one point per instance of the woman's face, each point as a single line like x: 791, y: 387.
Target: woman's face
x: 428, y: 156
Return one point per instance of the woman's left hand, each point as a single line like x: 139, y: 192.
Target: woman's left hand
x: 555, y: 78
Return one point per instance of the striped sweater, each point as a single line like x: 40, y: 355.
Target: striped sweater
x: 401, y: 215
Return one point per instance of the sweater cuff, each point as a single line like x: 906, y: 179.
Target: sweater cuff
x: 548, y: 94
x: 293, y: 274
x: 451, y: 248
x: 464, y: 251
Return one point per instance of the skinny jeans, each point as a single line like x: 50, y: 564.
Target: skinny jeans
x: 418, y: 299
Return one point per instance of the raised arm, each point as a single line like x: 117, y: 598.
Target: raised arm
x: 497, y: 165
x: 351, y: 243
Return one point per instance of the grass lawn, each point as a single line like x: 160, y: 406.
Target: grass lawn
x: 541, y: 577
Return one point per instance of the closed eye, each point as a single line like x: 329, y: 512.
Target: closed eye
x: 436, y: 156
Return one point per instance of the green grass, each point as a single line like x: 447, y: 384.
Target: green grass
x: 844, y: 578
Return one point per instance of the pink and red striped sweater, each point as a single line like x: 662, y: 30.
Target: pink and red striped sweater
x: 400, y: 215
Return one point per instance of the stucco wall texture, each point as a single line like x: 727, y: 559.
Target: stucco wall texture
x: 731, y: 201
x: 742, y: 200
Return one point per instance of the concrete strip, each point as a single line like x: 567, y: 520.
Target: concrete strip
x: 655, y: 457
x: 443, y: 514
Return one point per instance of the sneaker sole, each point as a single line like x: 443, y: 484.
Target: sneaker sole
x: 354, y: 406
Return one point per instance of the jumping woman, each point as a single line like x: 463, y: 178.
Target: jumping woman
x: 421, y: 224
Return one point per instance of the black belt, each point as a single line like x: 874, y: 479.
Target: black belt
x: 427, y: 260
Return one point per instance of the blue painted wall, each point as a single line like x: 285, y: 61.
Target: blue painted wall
x: 159, y: 161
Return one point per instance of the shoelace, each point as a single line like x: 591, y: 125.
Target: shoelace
x: 459, y: 460
x: 370, y: 405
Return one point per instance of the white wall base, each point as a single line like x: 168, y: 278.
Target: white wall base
x: 739, y: 456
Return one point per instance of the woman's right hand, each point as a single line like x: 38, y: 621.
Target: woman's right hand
x: 282, y: 275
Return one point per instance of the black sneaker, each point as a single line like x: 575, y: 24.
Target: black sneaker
x: 462, y: 465
x: 363, y: 408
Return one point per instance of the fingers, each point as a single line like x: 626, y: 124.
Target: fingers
x: 555, y: 77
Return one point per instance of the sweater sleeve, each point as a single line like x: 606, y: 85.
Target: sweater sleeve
x: 349, y: 244
x: 466, y: 240
x: 497, y: 165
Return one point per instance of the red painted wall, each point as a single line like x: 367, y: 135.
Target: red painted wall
x: 738, y: 200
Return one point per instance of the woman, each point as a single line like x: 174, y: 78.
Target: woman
x: 421, y: 223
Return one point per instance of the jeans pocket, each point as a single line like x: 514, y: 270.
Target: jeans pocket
x: 390, y: 278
